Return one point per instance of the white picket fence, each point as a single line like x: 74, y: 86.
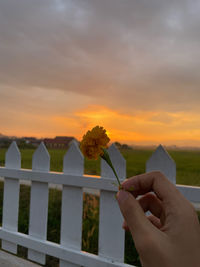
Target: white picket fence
x: 111, y: 235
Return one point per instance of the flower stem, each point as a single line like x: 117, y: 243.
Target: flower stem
x: 106, y: 157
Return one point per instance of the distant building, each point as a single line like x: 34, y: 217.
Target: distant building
x: 32, y: 141
x: 59, y: 142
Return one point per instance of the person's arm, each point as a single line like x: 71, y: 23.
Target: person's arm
x: 170, y: 237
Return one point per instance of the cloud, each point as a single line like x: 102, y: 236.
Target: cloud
x: 141, y: 54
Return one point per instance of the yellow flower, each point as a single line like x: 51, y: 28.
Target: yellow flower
x: 93, y: 142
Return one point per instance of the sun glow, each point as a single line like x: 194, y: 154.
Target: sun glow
x: 144, y: 127
x: 138, y: 127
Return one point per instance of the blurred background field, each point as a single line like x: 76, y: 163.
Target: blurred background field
x: 187, y: 162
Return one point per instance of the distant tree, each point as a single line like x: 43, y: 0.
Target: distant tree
x: 23, y: 145
x: 5, y: 142
x: 118, y: 145
x: 125, y: 146
x: 122, y: 146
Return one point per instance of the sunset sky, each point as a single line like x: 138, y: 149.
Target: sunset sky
x: 130, y: 66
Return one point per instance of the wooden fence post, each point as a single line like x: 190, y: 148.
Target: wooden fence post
x: 72, y: 203
x: 161, y: 161
x: 111, y: 234
x: 11, y: 196
x: 39, y: 202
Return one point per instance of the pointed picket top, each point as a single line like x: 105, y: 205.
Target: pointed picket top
x: 162, y: 161
x: 73, y: 162
x: 41, y: 159
x: 13, y: 157
x: 118, y: 162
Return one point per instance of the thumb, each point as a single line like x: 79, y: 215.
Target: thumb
x: 134, y: 215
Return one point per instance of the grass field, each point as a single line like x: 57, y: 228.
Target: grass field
x: 188, y: 163
x: 188, y: 172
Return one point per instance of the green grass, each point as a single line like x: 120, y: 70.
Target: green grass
x: 187, y: 162
x: 188, y: 172
x: 188, y: 167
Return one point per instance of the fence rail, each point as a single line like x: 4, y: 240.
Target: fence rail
x: 73, y: 180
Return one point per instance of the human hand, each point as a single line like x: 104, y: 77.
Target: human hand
x: 170, y: 237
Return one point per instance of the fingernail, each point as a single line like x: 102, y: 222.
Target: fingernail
x: 122, y: 196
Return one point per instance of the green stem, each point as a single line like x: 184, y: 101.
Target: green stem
x: 116, y: 175
x: 106, y: 157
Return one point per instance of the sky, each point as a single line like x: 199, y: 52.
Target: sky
x: 129, y: 66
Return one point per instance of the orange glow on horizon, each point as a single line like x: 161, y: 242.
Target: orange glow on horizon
x: 140, y: 127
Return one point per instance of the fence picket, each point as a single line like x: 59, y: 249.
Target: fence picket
x: 72, y: 203
x: 161, y: 161
x: 110, y: 218
x: 111, y: 235
x: 11, y: 196
x: 39, y: 203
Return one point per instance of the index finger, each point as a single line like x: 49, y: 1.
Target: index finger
x: 152, y: 182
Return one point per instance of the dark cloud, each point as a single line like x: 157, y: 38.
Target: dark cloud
x: 130, y: 54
